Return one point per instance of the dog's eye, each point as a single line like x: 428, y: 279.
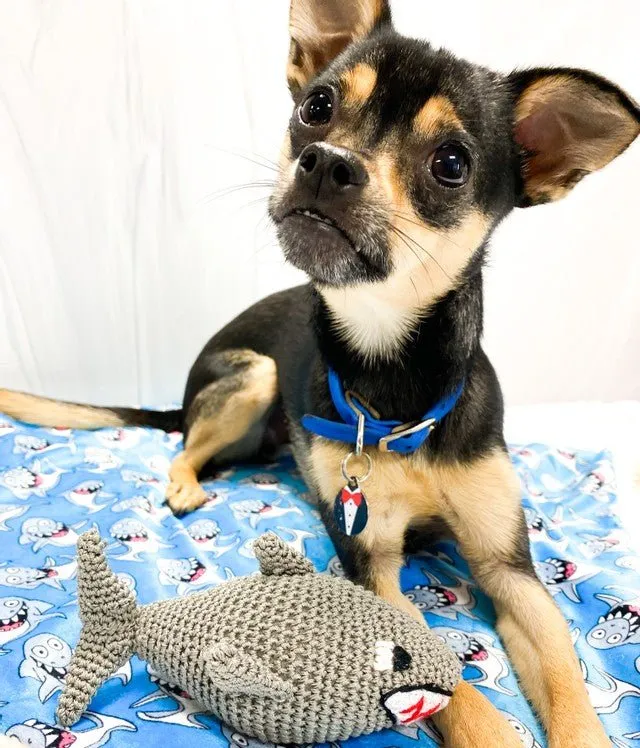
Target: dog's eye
x: 317, y: 109
x: 450, y: 165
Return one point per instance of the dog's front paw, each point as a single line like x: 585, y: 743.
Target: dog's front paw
x: 185, y: 497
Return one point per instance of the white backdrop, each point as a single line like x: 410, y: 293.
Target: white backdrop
x: 119, y: 257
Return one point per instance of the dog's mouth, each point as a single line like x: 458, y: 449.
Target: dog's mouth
x: 331, y: 250
x: 408, y: 704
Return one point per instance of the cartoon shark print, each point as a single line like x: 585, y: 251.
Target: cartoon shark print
x: 442, y: 600
x: 256, y: 510
x: 541, y: 529
x: 606, y: 698
x: 335, y: 568
x: 136, y: 538
x: 42, y: 531
x: 624, y: 562
x: 47, y: 658
x: 215, y: 497
x: 31, y: 577
x: 478, y: 650
x: 187, y: 574
x: 561, y: 576
x: 620, y: 625
x: 524, y: 733
x: 239, y: 740
x: 139, y: 479
x: 8, y: 512
x: 416, y: 730
x: 101, y: 460
x: 265, y: 482
x: 527, y: 456
x: 206, y: 533
x: 295, y: 538
x: 600, y: 483
x: 86, y: 495
x: 41, y: 735
x: 172, y: 441
x: 30, y: 446
x: 19, y: 616
x: 119, y: 438
x: 129, y: 581
x: 6, y: 428
x: 559, y: 520
x: 185, y: 712
x: 158, y: 464
x: 143, y: 507
x: 25, y: 482
x: 594, y: 545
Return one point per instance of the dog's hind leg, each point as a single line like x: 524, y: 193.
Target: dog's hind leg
x: 225, y: 421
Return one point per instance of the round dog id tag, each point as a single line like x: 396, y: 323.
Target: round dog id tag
x: 350, y: 508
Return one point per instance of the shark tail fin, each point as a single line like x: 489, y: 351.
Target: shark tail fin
x: 109, y: 617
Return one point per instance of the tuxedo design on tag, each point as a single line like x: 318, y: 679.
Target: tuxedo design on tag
x: 350, y: 509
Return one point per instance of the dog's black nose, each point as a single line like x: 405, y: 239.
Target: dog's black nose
x: 326, y: 170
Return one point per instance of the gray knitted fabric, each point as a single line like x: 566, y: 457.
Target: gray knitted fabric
x: 286, y: 656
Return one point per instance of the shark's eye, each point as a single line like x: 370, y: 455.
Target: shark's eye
x: 239, y: 739
x: 401, y: 658
x: 614, y: 638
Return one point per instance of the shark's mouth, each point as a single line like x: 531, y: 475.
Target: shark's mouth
x: 138, y: 537
x: 475, y: 652
x: 563, y: 570
x: 630, y: 613
x: 168, y: 687
x: 59, y: 532
x: 59, y: 673
x: 409, y: 704
x: 16, y: 620
x: 196, y: 570
x: 88, y: 490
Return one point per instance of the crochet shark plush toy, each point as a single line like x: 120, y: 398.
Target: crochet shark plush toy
x: 286, y: 655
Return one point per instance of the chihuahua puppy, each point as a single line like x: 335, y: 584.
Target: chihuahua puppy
x: 398, y: 163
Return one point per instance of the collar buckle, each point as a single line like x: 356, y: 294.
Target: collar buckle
x: 405, y: 430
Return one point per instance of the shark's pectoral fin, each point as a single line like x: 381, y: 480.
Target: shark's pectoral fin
x: 235, y: 672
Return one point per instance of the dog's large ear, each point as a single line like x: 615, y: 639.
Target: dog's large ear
x: 568, y: 123
x: 321, y: 29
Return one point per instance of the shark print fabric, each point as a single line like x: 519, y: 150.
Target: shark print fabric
x: 55, y: 484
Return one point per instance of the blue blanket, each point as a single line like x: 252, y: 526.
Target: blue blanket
x: 54, y: 484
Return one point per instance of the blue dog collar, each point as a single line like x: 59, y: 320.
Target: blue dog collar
x: 392, y: 436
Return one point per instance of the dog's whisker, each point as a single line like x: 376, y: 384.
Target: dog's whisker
x: 415, y: 254
x: 237, y: 188
x: 406, y: 238
x: 264, y: 162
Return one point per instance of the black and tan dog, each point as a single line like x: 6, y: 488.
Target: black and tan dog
x: 398, y: 163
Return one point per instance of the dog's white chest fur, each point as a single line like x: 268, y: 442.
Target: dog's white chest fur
x: 370, y: 321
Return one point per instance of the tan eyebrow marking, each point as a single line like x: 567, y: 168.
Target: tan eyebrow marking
x: 358, y: 83
x: 437, y: 114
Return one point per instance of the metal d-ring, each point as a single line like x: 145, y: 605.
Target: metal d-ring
x: 345, y: 464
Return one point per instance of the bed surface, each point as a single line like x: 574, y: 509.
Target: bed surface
x: 56, y: 483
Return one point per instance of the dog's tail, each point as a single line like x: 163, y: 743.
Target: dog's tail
x: 109, y: 623
x: 41, y: 411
